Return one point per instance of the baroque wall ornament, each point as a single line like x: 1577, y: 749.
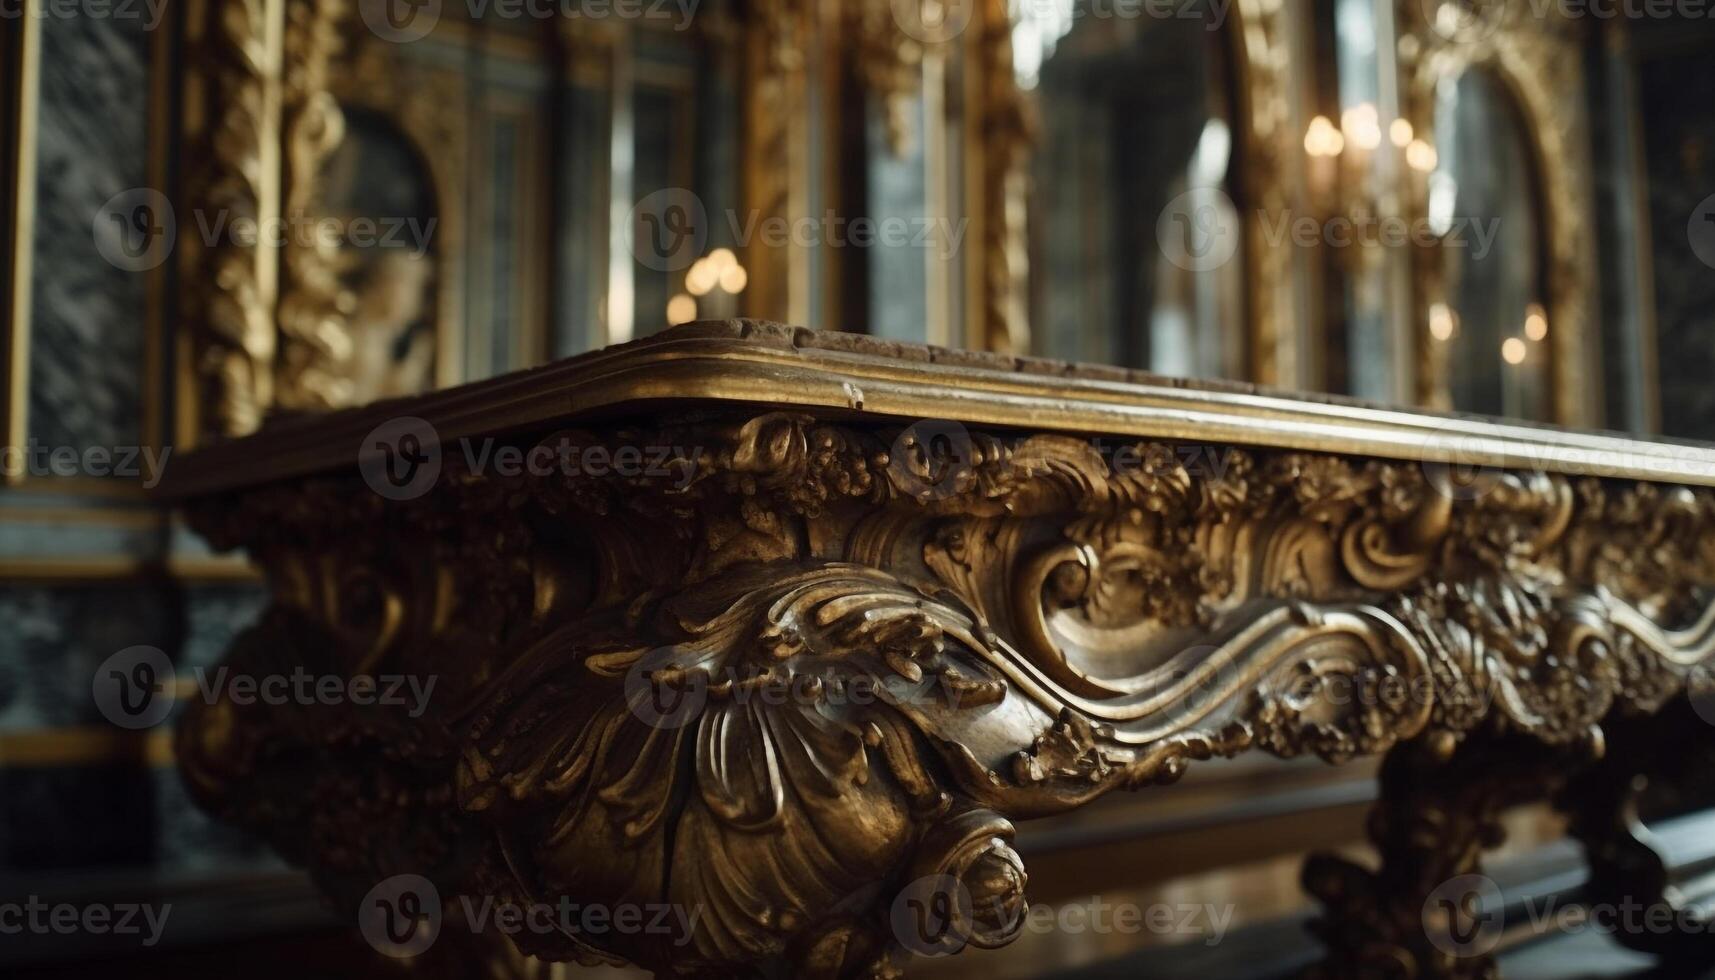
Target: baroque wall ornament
x: 1005, y: 131
x: 788, y: 667
x: 258, y: 122
x: 232, y: 118
x: 314, y: 335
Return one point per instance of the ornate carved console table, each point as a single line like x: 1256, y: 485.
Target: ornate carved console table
x: 784, y: 629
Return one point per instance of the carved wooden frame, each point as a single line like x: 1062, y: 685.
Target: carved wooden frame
x: 262, y: 113
x: 800, y: 662
x: 365, y: 72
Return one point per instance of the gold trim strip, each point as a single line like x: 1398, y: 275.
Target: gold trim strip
x: 55, y: 747
x: 153, y: 431
x: 23, y: 191
x: 106, y: 517
x: 84, y: 487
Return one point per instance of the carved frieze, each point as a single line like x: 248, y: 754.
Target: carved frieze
x: 785, y: 666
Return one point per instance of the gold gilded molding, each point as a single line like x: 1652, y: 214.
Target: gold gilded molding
x: 1002, y: 131
x: 889, y: 64
x: 264, y: 111
x: 1267, y: 179
x: 314, y: 335
x: 53, y: 748
x: 20, y: 84
x: 232, y: 110
x: 759, y: 363
x: 799, y: 664
x: 1538, y: 60
x: 776, y: 168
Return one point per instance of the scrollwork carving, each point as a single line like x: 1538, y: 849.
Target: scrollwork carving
x: 785, y: 667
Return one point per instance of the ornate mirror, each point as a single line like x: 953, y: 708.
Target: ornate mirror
x: 1484, y: 204
x: 1135, y: 239
x: 1498, y: 161
x: 377, y: 191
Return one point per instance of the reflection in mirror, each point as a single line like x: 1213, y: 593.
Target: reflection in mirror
x: 386, y: 266
x: 1133, y: 232
x: 1493, y: 319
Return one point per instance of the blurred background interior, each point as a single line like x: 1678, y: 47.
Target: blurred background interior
x: 1501, y: 208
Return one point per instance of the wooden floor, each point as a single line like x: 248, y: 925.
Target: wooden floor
x: 1281, y: 953
x: 292, y: 936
